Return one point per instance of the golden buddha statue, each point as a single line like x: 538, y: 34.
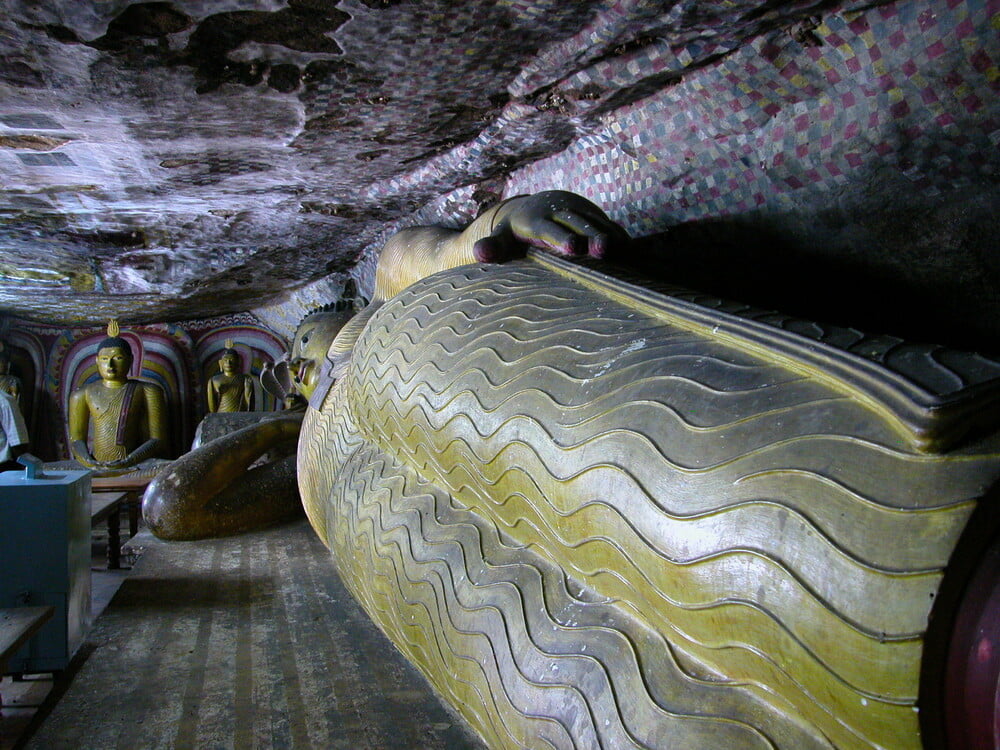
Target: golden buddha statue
x: 124, y: 420
x: 9, y: 383
x: 221, y: 487
x: 230, y: 389
x: 190, y: 501
x: 593, y: 514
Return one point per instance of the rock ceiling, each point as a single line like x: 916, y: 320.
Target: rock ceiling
x: 177, y: 160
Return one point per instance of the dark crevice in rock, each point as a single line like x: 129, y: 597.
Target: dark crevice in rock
x: 341, y: 210
x: 56, y: 31
x: 628, y: 47
x: 461, y: 122
x: 141, y: 21
x: 18, y: 73
x: 371, y: 155
x: 62, y: 34
x: 322, y: 70
x: 646, y: 87
x: 284, y: 77
x: 333, y: 121
x: 129, y: 238
x: 303, y: 26
x: 488, y: 193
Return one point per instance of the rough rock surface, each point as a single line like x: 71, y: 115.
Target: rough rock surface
x: 180, y: 160
x: 172, y: 160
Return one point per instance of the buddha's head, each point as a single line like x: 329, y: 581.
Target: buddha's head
x: 114, y: 360
x: 312, y: 341
x: 114, y: 356
x: 229, y: 361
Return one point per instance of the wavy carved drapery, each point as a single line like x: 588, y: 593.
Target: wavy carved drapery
x: 594, y: 518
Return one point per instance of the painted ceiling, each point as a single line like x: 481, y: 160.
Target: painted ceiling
x: 179, y: 160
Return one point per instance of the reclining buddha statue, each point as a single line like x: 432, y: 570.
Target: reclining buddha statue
x: 599, y: 512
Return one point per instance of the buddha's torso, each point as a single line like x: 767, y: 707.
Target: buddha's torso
x: 231, y: 392
x: 112, y: 436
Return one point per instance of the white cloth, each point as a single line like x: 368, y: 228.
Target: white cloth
x: 15, y: 432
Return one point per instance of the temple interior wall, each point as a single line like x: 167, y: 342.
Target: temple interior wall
x: 52, y: 362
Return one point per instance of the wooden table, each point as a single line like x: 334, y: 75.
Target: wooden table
x: 107, y: 506
x: 17, y: 626
x: 133, y: 487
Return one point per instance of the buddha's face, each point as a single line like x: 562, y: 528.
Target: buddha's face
x: 229, y: 363
x: 113, y: 364
x: 312, y: 340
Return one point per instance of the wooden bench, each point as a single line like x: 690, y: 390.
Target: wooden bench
x: 133, y: 487
x: 17, y: 626
x: 107, y: 506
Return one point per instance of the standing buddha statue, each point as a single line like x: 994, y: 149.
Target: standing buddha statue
x: 230, y: 389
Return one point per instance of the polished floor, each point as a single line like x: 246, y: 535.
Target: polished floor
x: 247, y: 642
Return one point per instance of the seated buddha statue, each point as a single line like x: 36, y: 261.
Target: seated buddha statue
x: 9, y: 383
x: 230, y: 389
x: 118, y: 422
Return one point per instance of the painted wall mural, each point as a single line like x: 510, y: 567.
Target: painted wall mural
x: 790, y: 119
x: 858, y: 143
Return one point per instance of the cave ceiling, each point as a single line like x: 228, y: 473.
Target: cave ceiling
x: 179, y: 160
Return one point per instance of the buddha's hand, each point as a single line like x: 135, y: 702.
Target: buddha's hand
x: 99, y: 466
x: 276, y: 379
x: 555, y: 220
x: 81, y: 455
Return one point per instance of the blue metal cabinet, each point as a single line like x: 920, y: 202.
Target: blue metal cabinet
x: 45, y: 559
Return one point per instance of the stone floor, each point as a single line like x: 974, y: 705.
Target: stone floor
x: 244, y: 642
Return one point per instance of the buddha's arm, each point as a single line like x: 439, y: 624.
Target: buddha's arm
x: 248, y: 402
x: 213, y: 402
x: 555, y: 220
x: 79, y: 423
